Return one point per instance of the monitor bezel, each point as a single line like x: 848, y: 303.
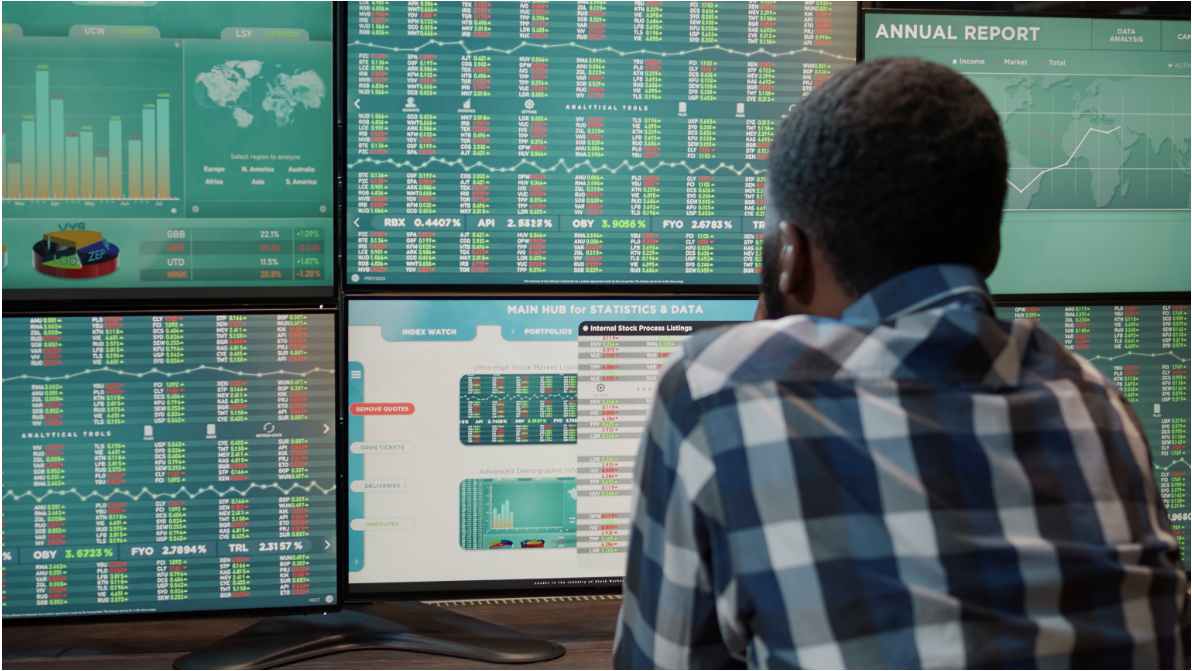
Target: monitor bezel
x: 18, y: 301
x: 587, y: 290
x: 1139, y: 298
x: 480, y: 589
x: 340, y: 482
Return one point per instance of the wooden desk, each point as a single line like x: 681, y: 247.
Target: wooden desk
x: 585, y: 626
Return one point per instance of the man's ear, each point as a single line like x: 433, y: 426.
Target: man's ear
x: 793, y: 258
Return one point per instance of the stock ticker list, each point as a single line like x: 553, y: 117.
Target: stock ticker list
x: 578, y: 142
x: 1144, y: 350
x: 164, y: 463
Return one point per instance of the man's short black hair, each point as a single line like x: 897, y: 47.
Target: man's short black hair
x: 892, y: 165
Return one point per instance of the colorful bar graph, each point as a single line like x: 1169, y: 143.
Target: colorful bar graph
x: 87, y: 155
x: 115, y: 165
x: 57, y: 147
x: 149, y: 152
x: 101, y: 176
x: 42, y: 117
x: 134, y: 168
x: 72, y: 165
x: 163, y: 147
x: 28, y: 147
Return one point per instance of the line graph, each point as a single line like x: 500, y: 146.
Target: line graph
x: 596, y: 50
x: 145, y: 492
x: 562, y: 164
x: 1065, y: 163
x: 1152, y: 356
x: 157, y: 371
x: 1172, y: 465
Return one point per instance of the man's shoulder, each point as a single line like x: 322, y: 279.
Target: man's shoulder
x: 939, y: 347
x: 716, y: 358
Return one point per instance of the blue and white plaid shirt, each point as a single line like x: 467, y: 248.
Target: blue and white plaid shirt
x: 913, y: 484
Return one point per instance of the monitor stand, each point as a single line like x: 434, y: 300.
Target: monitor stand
x: 408, y: 626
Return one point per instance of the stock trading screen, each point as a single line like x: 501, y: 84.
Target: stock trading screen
x: 167, y: 147
x: 168, y: 463
x: 1144, y: 350
x: 572, y: 142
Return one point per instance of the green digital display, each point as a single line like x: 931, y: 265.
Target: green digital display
x: 521, y: 513
x: 168, y: 463
x: 579, y: 143
x: 1143, y: 349
x: 184, y: 146
x: 1096, y: 114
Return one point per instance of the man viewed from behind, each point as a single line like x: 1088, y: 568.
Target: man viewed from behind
x: 883, y: 474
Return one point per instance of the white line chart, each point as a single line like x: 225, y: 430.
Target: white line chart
x: 1152, y: 356
x: 1065, y: 163
x: 145, y: 492
x: 156, y: 371
x: 562, y: 164
x: 596, y: 50
x: 1172, y: 465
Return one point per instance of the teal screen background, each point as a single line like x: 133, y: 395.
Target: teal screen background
x: 1097, y: 125
x: 196, y: 137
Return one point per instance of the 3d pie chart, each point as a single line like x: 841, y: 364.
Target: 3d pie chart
x: 75, y: 254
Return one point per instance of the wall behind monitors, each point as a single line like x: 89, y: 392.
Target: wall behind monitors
x: 1144, y: 350
x: 1097, y: 124
x: 492, y: 442
x: 165, y: 463
x: 519, y: 143
x: 167, y: 149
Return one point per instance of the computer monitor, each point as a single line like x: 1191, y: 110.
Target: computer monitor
x: 172, y: 463
x: 1096, y: 118
x: 1143, y: 348
x: 492, y: 442
x: 583, y: 143
x: 179, y: 149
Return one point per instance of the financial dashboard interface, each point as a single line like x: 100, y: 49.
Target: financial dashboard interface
x: 167, y: 147
x: 168, y: 463
x: 528, y: 142
x: 1144, y: 350
x: 1096, y: 114
x: 492, y: 442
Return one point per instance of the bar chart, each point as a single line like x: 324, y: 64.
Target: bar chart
x: 51, y: 160
x: 503, y: 518
x: 94, y: 130
x: 517, y: 513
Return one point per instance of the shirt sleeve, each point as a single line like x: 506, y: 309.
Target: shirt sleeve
x: 669, y: 609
